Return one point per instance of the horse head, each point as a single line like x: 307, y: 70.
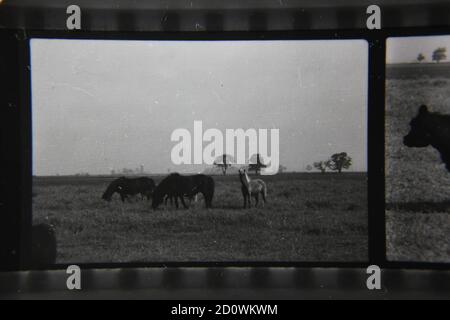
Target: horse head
x: 107, y: 196
x: 113, y: 187
x: 242, y: 171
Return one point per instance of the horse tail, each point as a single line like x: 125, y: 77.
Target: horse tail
x: 162, y: 190
x: 147, y: 187
x: 158, y: 197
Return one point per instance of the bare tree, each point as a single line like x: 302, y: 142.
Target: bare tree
x: 257, y: 164
x: 223, y: 162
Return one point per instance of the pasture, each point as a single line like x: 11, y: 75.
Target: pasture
x: 308, y: 217
x: 405, y: 71
x: 417, y: 183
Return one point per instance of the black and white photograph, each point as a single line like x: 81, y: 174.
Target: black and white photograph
x: 418, y: 149
x: 226, y: 151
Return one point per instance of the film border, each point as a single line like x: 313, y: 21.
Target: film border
x: 34, y: 23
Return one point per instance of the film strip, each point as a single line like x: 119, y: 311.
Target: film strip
x: 225, y: 283
x: 213, y: 16
x: 22, y: 21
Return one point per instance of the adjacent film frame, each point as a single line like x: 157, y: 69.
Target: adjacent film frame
x: 35, y: 22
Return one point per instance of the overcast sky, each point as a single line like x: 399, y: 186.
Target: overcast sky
x: 103, y: 105
x: 406, y: 49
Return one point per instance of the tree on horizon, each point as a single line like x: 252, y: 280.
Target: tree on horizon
x: 223, y: 162
x: 257, y: 164
x: 339, y: 161
x: 321, y: 166
x: 440, y: 54
x: 420, y: 57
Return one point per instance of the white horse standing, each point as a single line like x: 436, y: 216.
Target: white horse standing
x: 252, y: 188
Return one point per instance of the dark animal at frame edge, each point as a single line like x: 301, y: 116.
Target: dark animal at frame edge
x: 430, y: 128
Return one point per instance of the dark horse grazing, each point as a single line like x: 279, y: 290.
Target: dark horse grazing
x: 129, y: 187
x: 177, y: 186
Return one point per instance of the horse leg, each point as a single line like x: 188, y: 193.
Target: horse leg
x: 176, y: 202
x: 249, y: 199
x: 184, y: 203
x: 208, y: 200
x: 205, y: 198
x: 245, y: 200
x: 169, y: 198
x: 264, y: 197
x: 122, y: 196
x: 191, y: 199
x: 256, y: 199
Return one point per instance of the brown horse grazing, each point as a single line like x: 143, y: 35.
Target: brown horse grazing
x: 129, y: 187
x: 252, y: 188
x: 177, y: 187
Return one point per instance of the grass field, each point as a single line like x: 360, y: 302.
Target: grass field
x: 406, y: 71
x: 417, y: 183
x: 308, y: 217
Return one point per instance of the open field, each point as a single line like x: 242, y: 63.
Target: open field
x: 417, y: 183
x: 406, y: 71
x: 308, y: 217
